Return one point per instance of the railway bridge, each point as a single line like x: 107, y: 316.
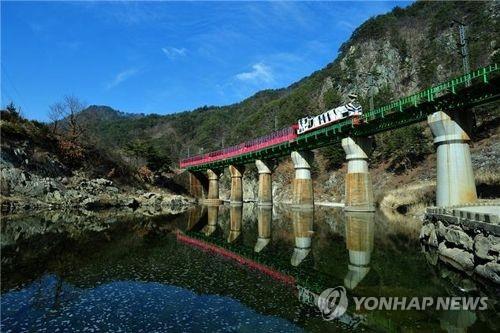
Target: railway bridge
x: 447, y: 107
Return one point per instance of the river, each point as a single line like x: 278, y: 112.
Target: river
x: 224, y: 269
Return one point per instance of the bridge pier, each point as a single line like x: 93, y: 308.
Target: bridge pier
x: 455, y: 178
x: 264, y: 218
x: 236, y: 184
x: 302, y: 230
x: 302, y: 184
x: 213, y: 188
x: 265, y: 193
x: 197, y: 184
x: 359, y: 231
x: 358, y: 182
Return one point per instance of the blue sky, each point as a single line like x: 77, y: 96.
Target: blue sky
x: 165, y: 57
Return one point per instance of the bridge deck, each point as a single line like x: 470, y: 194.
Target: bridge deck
x: 451, y: 95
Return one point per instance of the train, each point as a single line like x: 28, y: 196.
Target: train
x: 306, y: 124
x: 351, y: 109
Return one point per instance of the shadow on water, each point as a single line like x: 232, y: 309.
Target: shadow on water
x: 226, y: 268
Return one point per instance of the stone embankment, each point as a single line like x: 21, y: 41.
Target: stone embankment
x: 467, y: 245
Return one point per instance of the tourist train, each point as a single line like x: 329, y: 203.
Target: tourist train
x: 350, y: 110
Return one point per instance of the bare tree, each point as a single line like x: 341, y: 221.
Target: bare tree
x: 73, y: 108
x: 66, y: 114
x: 56, y: 114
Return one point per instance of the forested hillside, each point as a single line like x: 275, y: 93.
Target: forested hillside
x: 403, y: 51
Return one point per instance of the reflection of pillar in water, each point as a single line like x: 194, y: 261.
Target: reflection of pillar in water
x: 302, y: 231
x: 235, y: 217
x: 457, y: 321
x: 264, y: 217
x: 193, y: 217
x: 212, y: 216
x: 359, y: 240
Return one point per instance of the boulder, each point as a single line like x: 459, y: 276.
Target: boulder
x: 458, y: 258
x: 149, y: 195
x: 102, y: 182
x: 455, y: 234
x: 440, y: 229
x: 425, y: 232
x: 433, y: 241
x: 113, y: 189
x: 57, y: 196
x: 490, y: 271
x: 486, y: 247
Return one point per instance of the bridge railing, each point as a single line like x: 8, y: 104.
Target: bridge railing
x: 274, y: 138
x: 430, y: 94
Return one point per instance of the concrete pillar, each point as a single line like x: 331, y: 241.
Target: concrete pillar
x: 358, y: 182
x: 235, y: 219
x: 236, y: 184
x: 265, y: 194
x: 302, y: 231
x: 197, y: 184
x: 264, y: 218
x: 213, y: 188
x: 359, y: 231
x: 212, y: 218
x: 455, y: 178
x: 302, y: 184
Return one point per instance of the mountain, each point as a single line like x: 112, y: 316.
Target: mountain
x: 405, y: 50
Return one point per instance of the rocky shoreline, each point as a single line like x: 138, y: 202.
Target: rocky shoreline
x: 23, y: 191
x: 472, y: 250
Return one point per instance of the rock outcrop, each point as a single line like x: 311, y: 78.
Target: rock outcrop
x: 26, y: 191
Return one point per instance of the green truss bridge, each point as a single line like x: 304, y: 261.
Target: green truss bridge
x: 445, y: 106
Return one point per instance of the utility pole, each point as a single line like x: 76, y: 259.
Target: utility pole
x: 463, y: 47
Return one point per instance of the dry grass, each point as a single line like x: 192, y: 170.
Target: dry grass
x: 488, y: 176
x: 410, y: 199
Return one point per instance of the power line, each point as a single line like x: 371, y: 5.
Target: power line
x: 12, y: 85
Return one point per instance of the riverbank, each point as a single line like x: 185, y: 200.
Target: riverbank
x: 28, y: 192
x: 465, y: 238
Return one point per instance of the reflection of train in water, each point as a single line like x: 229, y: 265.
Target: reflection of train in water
x: 306, y: 124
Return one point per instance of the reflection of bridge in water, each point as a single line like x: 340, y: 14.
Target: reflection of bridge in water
x: 291, y: 251
x: 223, y: 226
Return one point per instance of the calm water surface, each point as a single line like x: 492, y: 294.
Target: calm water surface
x: 126, y: 273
